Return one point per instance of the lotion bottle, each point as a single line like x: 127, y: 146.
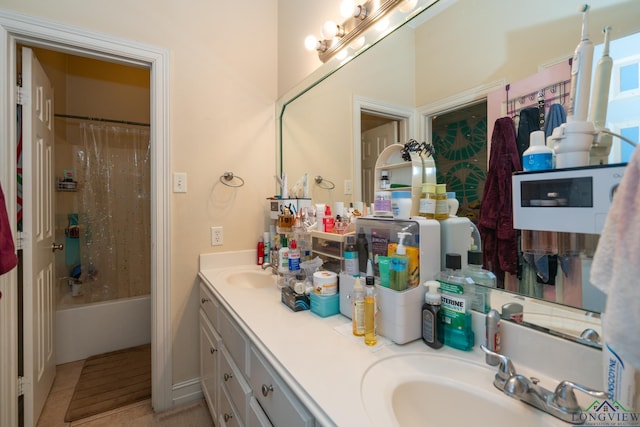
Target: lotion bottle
x: 351, y: 264
x: 357, y: 315
x: 432, y: 331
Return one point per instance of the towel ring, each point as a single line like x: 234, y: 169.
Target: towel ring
x: 227, y: 177
x: 328, y: 184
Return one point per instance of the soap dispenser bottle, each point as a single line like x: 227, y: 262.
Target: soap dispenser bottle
x: 432, y: 330
x: 357, y: 315
x: 400, y: 265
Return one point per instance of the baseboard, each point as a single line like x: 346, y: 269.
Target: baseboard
x: 186, y: 392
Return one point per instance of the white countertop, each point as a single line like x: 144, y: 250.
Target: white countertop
x: 317, y: 357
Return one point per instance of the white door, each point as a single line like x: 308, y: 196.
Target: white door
x: 36, y: 97
x: 373, y: 142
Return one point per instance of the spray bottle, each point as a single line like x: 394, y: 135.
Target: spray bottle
x: 400, y: 265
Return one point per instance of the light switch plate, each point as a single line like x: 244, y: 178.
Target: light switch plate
x: 179, y: 182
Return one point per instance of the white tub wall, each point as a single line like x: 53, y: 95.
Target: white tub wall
x: 92, y: 329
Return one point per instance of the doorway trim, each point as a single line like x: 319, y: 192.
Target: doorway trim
x: 405, y: 115
x: 18, y: 28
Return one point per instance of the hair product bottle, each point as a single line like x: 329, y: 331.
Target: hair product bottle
x: 357, y: 315
x: 432, y: 330
x: 370, y: 315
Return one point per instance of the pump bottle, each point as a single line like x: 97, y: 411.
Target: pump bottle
x: 357, y: 315
x: 400, y: 265
x: 432, y: 330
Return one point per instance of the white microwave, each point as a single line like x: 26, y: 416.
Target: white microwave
x: 572, y: 200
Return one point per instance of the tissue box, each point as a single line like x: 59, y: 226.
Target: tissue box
x: 325, y: 305
x: 294, y: 301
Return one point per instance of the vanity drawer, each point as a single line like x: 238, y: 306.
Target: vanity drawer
x: 234, y: 339
x: 209, y: 304
x: 235, y: 384
x: 257, y: 417
x: 277, y: 401
x: 228, y: 416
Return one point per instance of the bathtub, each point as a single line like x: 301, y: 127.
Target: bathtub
x: 90, y: 329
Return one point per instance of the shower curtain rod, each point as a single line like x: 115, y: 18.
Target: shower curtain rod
x: 97, y: 119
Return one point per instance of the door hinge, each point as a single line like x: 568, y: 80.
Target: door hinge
x: 20, y: 386
x: 21, y: 96
x: 19, y: 240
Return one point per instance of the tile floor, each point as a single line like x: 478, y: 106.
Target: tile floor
x: 139, y: 414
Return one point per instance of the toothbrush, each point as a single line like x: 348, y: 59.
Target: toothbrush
x: 581, y: 74
x: 601, y: 83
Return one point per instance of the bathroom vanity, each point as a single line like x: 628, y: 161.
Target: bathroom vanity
x: 263, y: 364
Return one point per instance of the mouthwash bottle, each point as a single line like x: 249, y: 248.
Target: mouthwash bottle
x: 484, y: 279
x: 456, y: 295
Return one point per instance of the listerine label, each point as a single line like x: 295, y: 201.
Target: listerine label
x: 454, y: 311
x: 451, y: 288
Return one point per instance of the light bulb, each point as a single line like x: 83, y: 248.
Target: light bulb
x: 382, y: 25
x: 407, y: 5
x: 311, y: 43
x: 357, y: 43
x: 329, y: 30
x: 347, y: 8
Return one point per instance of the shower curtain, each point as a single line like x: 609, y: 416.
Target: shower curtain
x: 112, y: 166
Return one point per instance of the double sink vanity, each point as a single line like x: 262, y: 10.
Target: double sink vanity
x: 263, y: 364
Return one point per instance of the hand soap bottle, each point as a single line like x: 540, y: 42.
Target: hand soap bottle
x: 432, y: 327
x: 400, y: 265
x: 357, y: 315
x: 456, y: 304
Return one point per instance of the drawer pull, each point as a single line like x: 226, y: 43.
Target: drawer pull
x: 213, y: 350
x: 203, y: 300
x: 227, y: 417
x: 227, y: 377
x: 266, y: 389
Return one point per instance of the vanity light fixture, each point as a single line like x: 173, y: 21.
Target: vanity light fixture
x: 358, y: 18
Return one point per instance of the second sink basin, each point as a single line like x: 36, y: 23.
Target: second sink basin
x: 251, y: 278
x: 421, y: 389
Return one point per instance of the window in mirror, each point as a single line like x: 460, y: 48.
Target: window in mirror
x: 460, y: 140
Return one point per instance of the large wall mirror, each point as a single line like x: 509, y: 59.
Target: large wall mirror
x: 452, y: 54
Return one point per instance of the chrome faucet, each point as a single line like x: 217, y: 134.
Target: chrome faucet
x: 561, y: 403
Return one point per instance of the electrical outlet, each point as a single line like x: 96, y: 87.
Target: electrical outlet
x: 179, y: 182
x: 217, y: 237
x: 348, y: 187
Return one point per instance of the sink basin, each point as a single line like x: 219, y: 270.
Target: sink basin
x: 251, y: 279
x: 421, y: 389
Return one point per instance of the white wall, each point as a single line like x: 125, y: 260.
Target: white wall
x: 223, y: 84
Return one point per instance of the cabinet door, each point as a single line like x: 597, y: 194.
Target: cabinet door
x: 234, y: 340
x: 232, y: 380
x: 210, y: 345
x: 277, y: 401
x: 228, y: 415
